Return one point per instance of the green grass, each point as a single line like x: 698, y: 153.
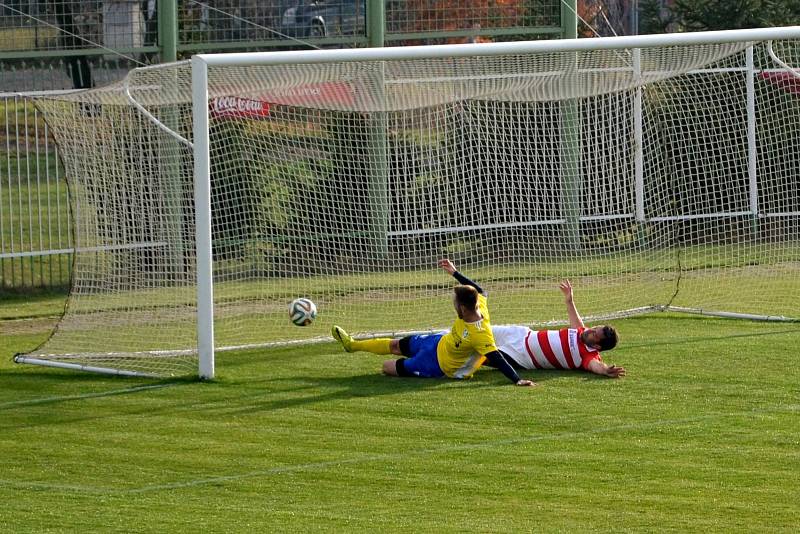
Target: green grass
x: 30, y: 187
x: 34, y: 201
x: 42, y: 304
x: 703, y: 435
x: 34, y: 215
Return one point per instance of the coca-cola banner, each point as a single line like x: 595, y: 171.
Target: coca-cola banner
x: 327, y: 95
x: 234, y: 106
x: 322, y: 95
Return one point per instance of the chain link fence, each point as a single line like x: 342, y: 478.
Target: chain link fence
x: 57, y: 45
x: 69, y: 44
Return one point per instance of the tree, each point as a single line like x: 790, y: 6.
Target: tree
x: 654, y: 18
x: 781, y: 12
x: 701, y: 15
x: 589, y: 18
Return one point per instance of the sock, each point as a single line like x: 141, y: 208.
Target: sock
x: 376, y: 346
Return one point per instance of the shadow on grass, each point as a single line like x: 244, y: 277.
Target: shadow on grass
x: 32, y: 303
x: 66, y: 403
x: 65, y: 386
x: 48, y: 399
x: 324, y: 389
x: 252, y: 393
x: 315, y: 390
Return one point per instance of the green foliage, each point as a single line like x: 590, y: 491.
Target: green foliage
x: 781, y: 12
x: 281, y: 188
x: 268, y: 220
x: 697, y: 15
x: 653, y: 18
x: 540, y: 13
x: 701, y: 15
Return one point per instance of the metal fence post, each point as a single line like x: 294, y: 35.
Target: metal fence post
x: 168, y: 30
x: 571, y: 142
x: 378, y: 194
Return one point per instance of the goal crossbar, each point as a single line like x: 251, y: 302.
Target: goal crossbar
x: 497, y: 49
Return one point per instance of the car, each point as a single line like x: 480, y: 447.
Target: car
x: 323, y: 18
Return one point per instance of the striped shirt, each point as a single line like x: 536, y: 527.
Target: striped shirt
x: 545, y: 349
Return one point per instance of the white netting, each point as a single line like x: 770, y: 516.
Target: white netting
x: 345, y: 182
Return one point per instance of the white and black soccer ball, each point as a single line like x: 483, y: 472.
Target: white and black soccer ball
x: 302, y: 311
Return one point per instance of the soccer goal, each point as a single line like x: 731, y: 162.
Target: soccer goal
x: 656, y: 172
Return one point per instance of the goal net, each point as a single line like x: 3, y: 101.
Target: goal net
x: 653, y: 177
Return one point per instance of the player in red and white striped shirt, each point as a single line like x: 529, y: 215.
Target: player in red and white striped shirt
x: 576, y: 347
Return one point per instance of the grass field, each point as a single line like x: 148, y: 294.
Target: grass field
x: 703, y: 435
x: 34, y: 205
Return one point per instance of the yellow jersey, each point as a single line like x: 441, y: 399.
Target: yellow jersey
x: 463, y: 349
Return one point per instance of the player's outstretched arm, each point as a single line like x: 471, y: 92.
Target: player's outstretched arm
x: 497, y: 359
x: 575, y: 320
x: 601, y: 368
x: 448, y: 266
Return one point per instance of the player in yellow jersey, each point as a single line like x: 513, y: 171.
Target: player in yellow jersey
x: 455, y: 354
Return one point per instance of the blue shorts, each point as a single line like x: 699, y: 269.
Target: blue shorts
x: 421, y: 358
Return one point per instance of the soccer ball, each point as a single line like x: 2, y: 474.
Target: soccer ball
x: 302, y: 312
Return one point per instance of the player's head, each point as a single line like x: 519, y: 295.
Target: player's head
x: 465, y: 300
x: 601, y: 337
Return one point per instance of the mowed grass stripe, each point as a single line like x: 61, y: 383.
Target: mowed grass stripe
x: 68, y: 398
x: 781, y: 409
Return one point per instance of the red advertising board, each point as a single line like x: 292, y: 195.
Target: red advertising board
x: 326, y: 95
x: 234, y: 106
x: 788, y: 81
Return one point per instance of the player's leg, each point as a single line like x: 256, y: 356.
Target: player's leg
x: 390, y: 367
x: 421, y: 360
x: 394, y: 346
x: 383, y: 345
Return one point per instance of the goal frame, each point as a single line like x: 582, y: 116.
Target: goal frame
x: 200, y: 64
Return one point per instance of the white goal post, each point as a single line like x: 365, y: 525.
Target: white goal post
x: 658, y: 172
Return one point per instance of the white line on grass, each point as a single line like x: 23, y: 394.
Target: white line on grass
x: 48, y: 400
x: 700, y: 339
x: 789, y: 408
x: 21, y: 485
x: 454, y: 448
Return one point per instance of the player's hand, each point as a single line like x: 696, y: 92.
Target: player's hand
x: 615, y: 371
x: 525, y: 383
x: 566, y: 289
x: 447, y: 265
